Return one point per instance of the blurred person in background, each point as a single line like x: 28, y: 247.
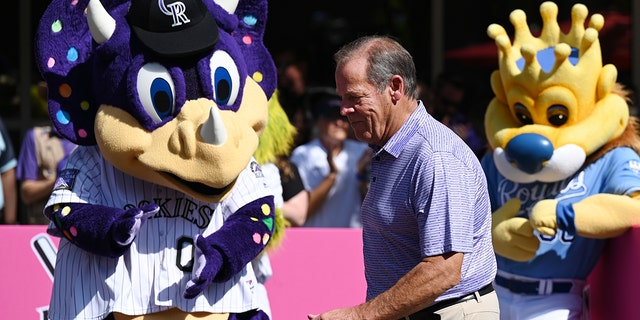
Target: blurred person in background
x: 332, y: 167
x: 448, y: 98
x: 42, y: 155
x: 9, y: 192
x: 292, y: 87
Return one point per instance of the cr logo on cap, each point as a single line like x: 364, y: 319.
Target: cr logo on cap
x: 173, y: 28
x: 176, y: 10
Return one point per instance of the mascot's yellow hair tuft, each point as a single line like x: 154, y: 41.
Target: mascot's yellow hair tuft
x: 277, y: 139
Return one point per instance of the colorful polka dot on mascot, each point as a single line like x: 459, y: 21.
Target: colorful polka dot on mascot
x: 564, y: 170
x: 162, y: 207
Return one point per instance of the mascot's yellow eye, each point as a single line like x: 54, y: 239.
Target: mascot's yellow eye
x: 557, y: 115
x: 522, y: 114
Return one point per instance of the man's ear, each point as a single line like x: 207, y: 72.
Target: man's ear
x: 397, y: 87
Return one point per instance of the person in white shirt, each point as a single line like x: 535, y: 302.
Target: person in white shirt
x: 332, y: 167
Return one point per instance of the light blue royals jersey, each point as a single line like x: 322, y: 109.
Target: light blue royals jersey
x: 564, y: 255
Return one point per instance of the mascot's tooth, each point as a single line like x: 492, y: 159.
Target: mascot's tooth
x: 213, y: 130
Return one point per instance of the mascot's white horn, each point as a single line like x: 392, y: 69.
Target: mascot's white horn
x: 101, y: 24
x: 213, y: 130
x: 229, y: 5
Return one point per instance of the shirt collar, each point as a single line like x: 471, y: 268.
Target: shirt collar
x: 399, y: 140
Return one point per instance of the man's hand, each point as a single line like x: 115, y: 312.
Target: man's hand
x: 337, y: 314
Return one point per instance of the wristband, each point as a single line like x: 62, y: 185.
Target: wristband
x: 565, y: 217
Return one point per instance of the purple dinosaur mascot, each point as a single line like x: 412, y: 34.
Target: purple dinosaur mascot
x: 162, y: 207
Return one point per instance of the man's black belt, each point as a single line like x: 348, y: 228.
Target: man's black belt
x: 428, y: 311
x: 532, y: 287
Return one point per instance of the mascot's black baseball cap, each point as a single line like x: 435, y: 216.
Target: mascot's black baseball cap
x: 173, y: 28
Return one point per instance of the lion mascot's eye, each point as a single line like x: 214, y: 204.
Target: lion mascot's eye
x: 522, y: 114
x: 557, y: 115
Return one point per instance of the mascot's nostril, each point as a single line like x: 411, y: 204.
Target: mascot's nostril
x: 529, y: 152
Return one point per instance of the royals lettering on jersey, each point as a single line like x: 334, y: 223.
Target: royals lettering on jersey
x: 508, y: 189
x: 617, y: 172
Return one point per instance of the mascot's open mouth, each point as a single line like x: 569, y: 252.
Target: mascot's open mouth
x: 198, y: 187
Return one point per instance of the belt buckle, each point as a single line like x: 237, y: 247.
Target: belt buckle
x: 545, y: 287
x: 549, y: 286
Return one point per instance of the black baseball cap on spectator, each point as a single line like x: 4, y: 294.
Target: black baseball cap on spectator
x: 173, y: 28
x: 327, y: 108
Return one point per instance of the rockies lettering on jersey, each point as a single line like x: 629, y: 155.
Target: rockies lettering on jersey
x: 184, y: 208
x: 152, y: 275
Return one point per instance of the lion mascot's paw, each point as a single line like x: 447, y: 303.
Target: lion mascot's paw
x: 513, y: 236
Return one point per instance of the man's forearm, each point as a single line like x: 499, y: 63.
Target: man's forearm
x: 416, y: 290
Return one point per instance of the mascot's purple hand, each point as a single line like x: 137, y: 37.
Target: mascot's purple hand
x: 543, y: 217
x: 206, y: 264
x: 224, y: 253
x: 128, y: 225
x: 513, y: 236
x: 101, y: 230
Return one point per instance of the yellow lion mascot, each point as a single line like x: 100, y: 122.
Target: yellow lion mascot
x: 563, y: 170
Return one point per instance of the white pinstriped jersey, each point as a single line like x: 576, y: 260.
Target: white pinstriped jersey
x: 150, y: 276
x: 262, y: 264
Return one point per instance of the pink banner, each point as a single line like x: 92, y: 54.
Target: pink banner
x: 314, y: 270
x: 27, y: 271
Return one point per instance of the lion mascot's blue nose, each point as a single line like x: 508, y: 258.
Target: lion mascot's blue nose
x: 529, y: 152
